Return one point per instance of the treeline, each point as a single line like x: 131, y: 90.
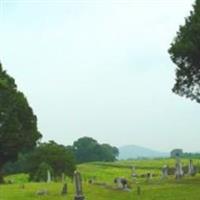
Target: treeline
x: 59, y: 159
x: 87, y: 149
x: 190, y: 155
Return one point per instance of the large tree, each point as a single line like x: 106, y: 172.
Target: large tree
x: 18, y: 124
x: 59, y: 158
x: 87, y: 149
x: 185, y: 53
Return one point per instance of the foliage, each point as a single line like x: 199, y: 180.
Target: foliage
x: 185, y: 51
x: 41, y: 173
x: 191, y: 155
x: 59, y: 158
x: 87, y: 149
x: 109, y: 153
x: 18, y: 124
x: 18, y: 166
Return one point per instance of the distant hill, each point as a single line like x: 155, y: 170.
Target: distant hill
x: 133, y: 151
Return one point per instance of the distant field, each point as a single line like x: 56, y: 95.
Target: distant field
x: 107, y: 171
x: 105, y: 189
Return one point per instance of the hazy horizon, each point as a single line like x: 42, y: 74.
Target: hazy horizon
x: 100, y: 69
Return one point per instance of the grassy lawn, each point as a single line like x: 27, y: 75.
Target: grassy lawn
x: 186, y: 189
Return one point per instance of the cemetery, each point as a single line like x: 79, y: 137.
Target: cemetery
x: 114, y: 180
x: 71, y: 70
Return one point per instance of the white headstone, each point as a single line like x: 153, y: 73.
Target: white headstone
x: 148, y: 176
x: 119, y: 183
x: 48, y: 176
x: 164, y: 171
x: 178, y: 169
x: 133, y: 173
x: 78, y: 186
x: 191, y: 169
x: 133, y: 169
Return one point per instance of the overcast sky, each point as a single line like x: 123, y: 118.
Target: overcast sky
x: 100, y: 68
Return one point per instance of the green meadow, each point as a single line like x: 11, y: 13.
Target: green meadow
x: 104, y: 187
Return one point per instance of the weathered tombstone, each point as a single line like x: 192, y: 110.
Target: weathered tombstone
x: 165, y: 171
x: 122, y: 183
x: 133, y: 169
x: 178, y: 169
x: 48, y: 176
x: 148, y: 176
x: 64, y: 189
x: 191, y: 169
x: 119, y: 183
x: 133, y: 173
x: 78, y: 186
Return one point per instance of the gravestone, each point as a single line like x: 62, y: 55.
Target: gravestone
x: 64, y: 189
x: 78, y: 186
x: 148, y: 177
x: 191, y: 169
x: 133, y: 169
x: 119, y: 183
x: 122, y: 183
x: 133, y: 173
x: 48, y: 176
x: 165, y: 171
x: 178, y: 169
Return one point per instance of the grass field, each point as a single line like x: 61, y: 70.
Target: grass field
x: 104, y: 189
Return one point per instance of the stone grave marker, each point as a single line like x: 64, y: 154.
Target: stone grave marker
x: 118, y: 182
x: 148, y: 177
x: 133, y: 173
x: 121, y: 182
x: 48, y: 176
x: 178, y: 169
x: 191, y: 169
x: 165, y: 171
x: 64, y: 189
x: 78, y: 186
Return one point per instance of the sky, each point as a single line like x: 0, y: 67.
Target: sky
x: 100, y: 68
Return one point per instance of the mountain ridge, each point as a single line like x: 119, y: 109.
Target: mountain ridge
x: 135, y: 151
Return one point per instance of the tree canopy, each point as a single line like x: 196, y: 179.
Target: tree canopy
x: 185, y: 53
x: 87, y: 149
x: 18, y: 124
x: 59, y: 158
